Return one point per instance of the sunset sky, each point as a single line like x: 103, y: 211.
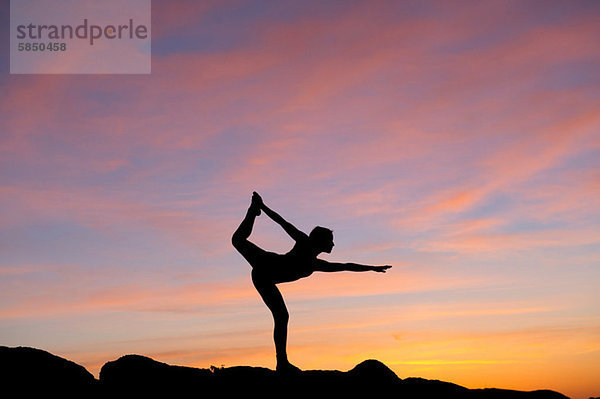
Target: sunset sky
x: 456, y: 140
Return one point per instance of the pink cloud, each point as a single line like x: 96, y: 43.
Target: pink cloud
x: 498, y: 242
x: 172, y: 18
x: 108, y: 213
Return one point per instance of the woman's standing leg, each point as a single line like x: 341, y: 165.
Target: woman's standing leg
x: 274, y: 301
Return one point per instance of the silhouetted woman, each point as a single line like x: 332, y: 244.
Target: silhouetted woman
x: 269, y: 268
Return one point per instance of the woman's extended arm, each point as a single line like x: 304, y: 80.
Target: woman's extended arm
x: 289, y: 228
x: 324, y: 266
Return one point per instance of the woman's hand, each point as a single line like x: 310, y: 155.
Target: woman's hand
x: 381, y: 269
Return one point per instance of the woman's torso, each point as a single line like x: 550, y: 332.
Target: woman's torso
x: 294, y: 265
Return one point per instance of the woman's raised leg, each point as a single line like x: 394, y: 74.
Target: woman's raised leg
x: 241, y: 234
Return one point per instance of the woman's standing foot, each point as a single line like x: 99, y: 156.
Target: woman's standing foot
x: 287, y: 368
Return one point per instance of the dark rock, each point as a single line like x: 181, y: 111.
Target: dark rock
x: 414, y: 387
x: 31, y: 371
x: 375, y: 370
x: 28, y: 372
x: 142, y: 375
x: 493, y: 393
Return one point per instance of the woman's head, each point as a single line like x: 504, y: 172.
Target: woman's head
x: 322, y: 239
